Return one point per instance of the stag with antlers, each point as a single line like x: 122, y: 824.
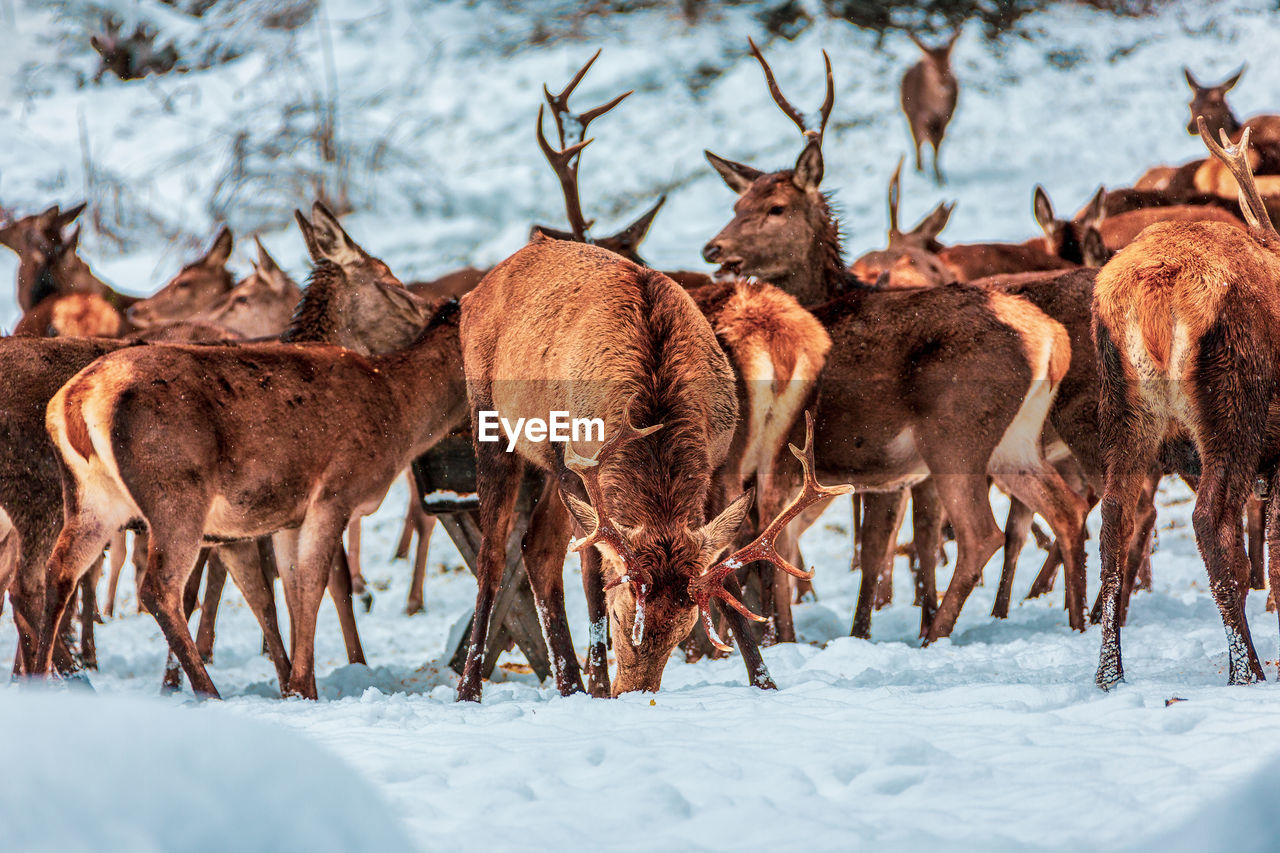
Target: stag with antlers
x: 635, y: 348
x: 881, y: 423
x: 1186, y: 320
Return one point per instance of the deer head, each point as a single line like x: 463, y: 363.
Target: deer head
x: 658, y: 581
x: 197, y: 287
x: 260, y: 305
x: 781, y: 213
x: 1210, y: 102
x: 1079, y: 240
x: 36, y: 239
x: 940, y: 55
x: 909, y: 260
x: 371, y: 308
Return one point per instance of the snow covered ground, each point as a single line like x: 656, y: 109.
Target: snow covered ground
x: 995, y: 739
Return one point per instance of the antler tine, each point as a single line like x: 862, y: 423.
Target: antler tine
x: 787, y: 107
x: 764, y: 547
x: 1236, y: 159
x: 589, y: 116
x: 560, y: 103
x: 829, y: 102
x: 895, y: 192
x: 567, y: 172
x: 778, y: 98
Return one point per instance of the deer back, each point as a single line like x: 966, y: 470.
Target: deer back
x: 572, y: 327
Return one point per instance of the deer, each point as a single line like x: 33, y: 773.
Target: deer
x: 123, y: 431
x: 1185, y: 318
x: 910, y: 259
x: 868, y: 432
x: 48, y: 263
x: 636, y: 348
x: 775, y: 347
x: 1210, y: 103
x: 197, y: 287
x: 1070, y: 239
x: 929, y: 91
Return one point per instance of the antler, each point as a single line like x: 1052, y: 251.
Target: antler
x: 565, y: 160
x: 894, y: 194
x: 606, y: 531
x: 711, y: 583
x: 792, y: 113
x: 1236, y: 159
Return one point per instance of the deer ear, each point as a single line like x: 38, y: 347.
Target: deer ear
x: 628, y: 240
x: 931, y: 226
x: 66, y: 217
x: 1097, y: 209
x: 1232, y: 81
x: 739, y: 177
x: 308, y: 235
x: 808, y: 174
x: 1043, y: 208
x: 220, y: 252
x: 1191, y: 80
x: 270, y: 271
x: 581, y: 511
x: 333, y: 242
x: 720, y: 531
x: 1093, y: 248
x: 74, y: 240
x: 546, y: 231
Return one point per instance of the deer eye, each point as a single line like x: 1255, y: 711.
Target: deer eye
x: 777, y: 210
x: 242, y: 300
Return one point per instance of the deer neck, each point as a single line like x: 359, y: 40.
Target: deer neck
x: 820, y: 275
x: 427, y: 382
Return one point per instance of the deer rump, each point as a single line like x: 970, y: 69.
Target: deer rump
x: 113, y: 421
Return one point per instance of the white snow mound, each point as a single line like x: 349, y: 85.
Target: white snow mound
x: 93, y: 773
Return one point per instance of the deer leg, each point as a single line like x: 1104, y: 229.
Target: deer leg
x: 358, y: 587
x: 319, y: 541
x: 498, y: 483
x: 884, y: 581
x: 215, y: 579
x: 340, y: 588
x: 1216, y: 519
x: 139, y: 563
x: 1273, y: 537
x: 1016, y: 527
x: 1139, y: 547
x: 417, y: 587
x: 598, y: 644
x: 882, y: 514
x: 417, y: 521
x: 172, y: 680
x: 1255, y: 510
x: 966, y: 500
x: 78, y: 546
x: 544, y: 547
x: 271, y: 572
x: 242, y: 560
x: 1124, y: 481
x: 926, y: 525
x: 171, y: 563
x: 937, y: 165
x: 89, y: 613
x: 407, y: 529
x: 1044, y: 491
x: 117, y: 551
x: 745, y: 639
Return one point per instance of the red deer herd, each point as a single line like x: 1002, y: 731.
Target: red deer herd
x: 239, y: 428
